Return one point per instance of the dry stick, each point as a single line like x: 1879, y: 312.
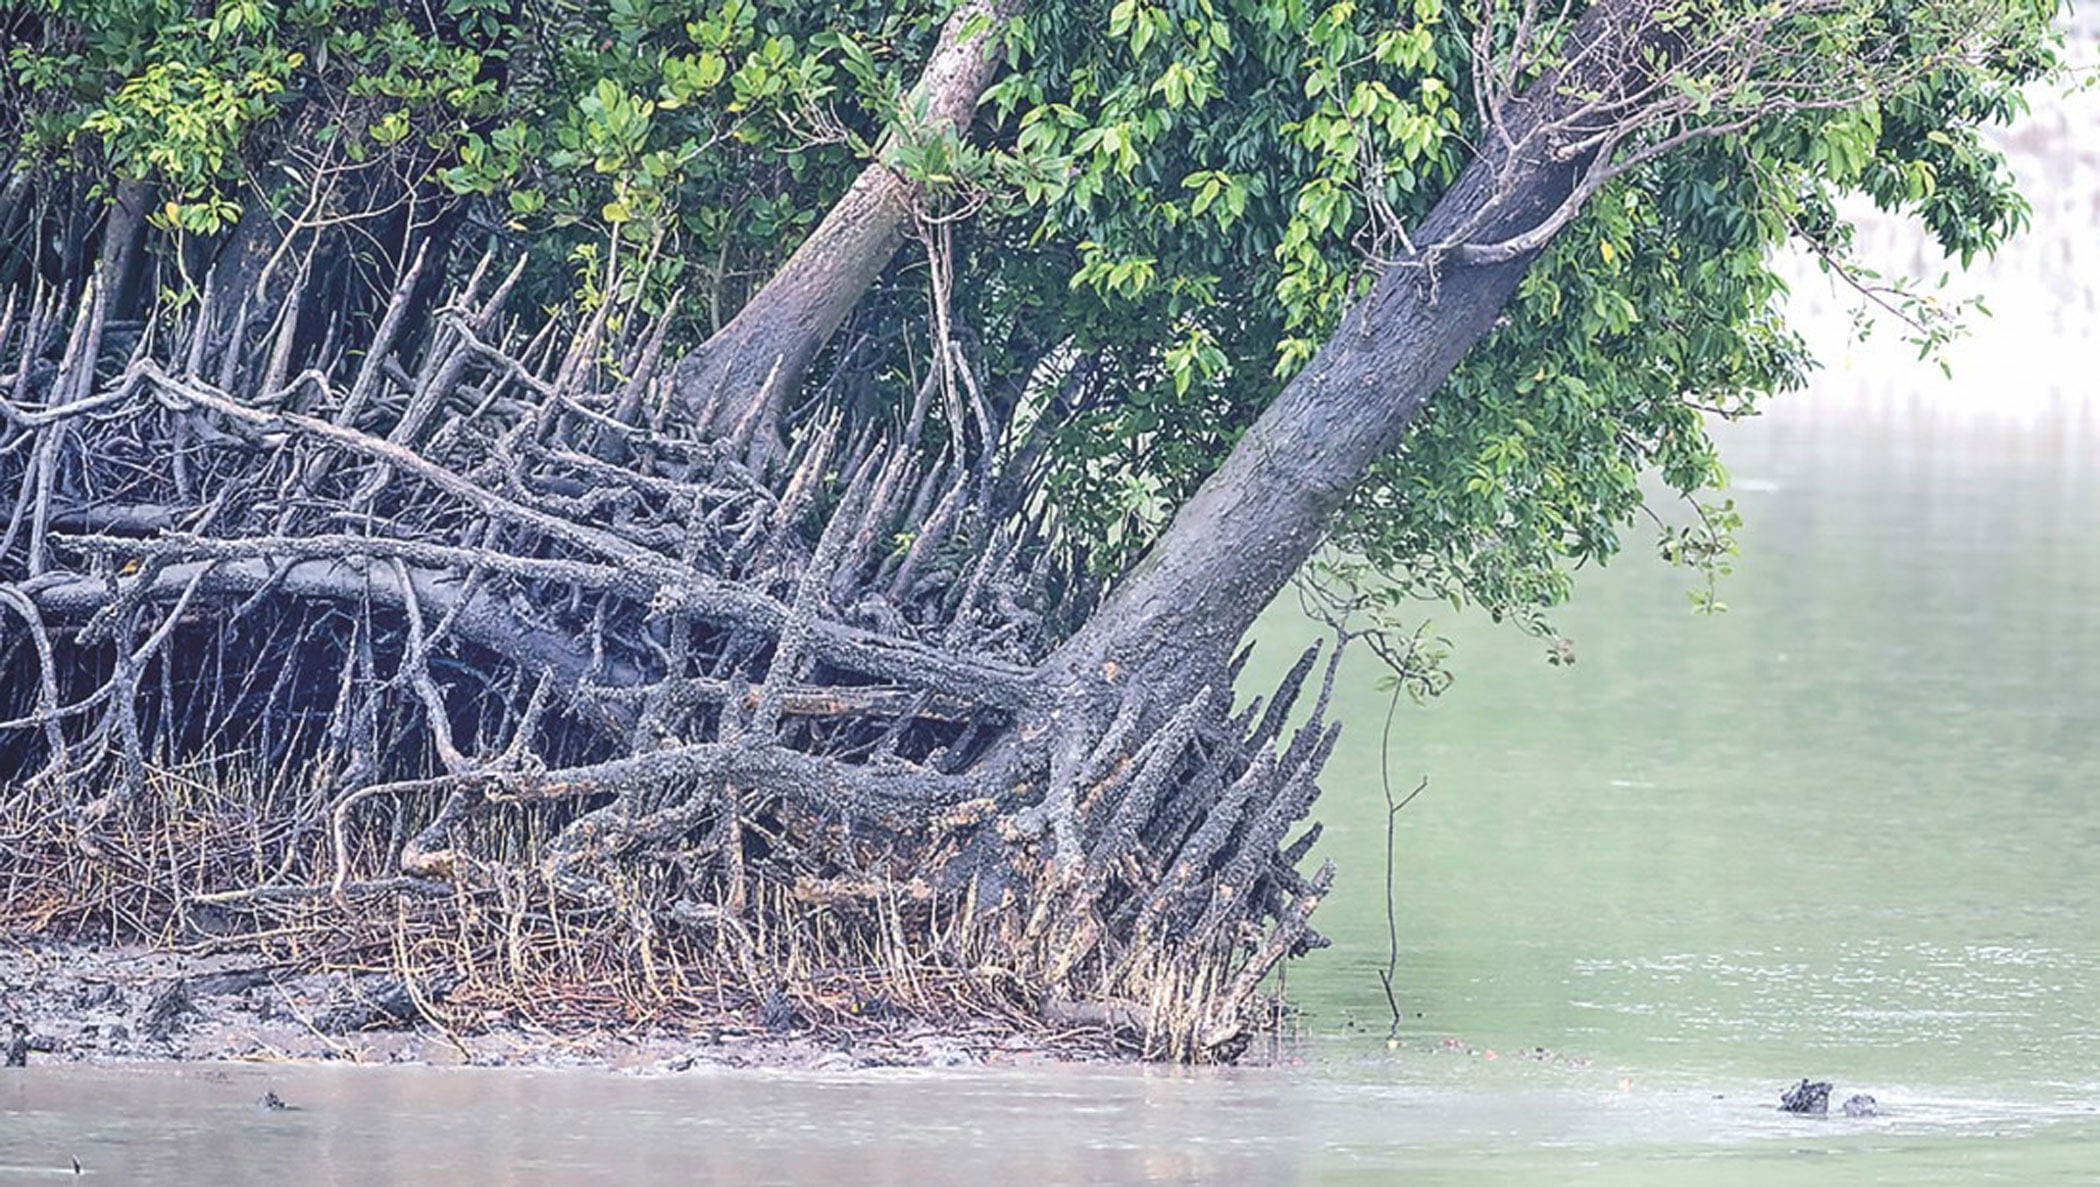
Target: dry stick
x: 900, y: 798
x: 1002, y: 684
x: 584, y: 346
x: 922, y: 400
x: 1392, y: 811
x: 47, y: 706
x: 125, y: 705
x: 1192, y: 858
x: 445, y: 480
x: 280, y: 359
x: 20, y: 514
x: 230, y: 360
x: 23, y: 357
x: 1156, y: 763
x: 528, y: 725
x: 382, y: 344
x: 880, y: 508
x: 629, y: 406
x: 788, y: 651
x: 1295, y: 922
x: 64, y: 410
x: 1235, y: 884
x: 87, y: 329
x: 934, y: 530
x: 49, y: 711
x: 405, y: 973
x: 193, y: 359
x: 174, y: 546
x: 339, y: 819
x: 416, y: 667
x: 43, y: 311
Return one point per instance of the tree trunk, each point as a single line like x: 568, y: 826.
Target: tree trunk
x: 739, y: 382
x: 122, y: 236
x: 1231, y: 549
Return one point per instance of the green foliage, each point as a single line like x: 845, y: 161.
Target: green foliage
x: 1234, y: 174
x: 1224, y: 175
x: 166, y: 91
x: 1657, y: 311
x: 707, y: 131
x: 1160, y: 215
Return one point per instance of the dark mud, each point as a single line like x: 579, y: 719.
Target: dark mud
x: 89, y: 1003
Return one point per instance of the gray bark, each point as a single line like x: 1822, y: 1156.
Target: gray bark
x: 122, y: 237
x: 1231, y: 549
x: 739, y: 382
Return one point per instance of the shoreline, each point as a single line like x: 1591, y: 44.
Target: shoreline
x: 81, y: 1002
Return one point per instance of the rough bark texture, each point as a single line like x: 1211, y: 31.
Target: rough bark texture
x: 739, y: 382
x: 1231, y: 549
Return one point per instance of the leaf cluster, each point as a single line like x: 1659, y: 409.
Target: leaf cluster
x: 1160, y: 214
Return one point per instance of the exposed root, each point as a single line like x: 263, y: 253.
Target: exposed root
x: 471, y: 658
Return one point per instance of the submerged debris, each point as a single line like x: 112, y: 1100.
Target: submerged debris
x: 1807, y: 1099
x: 1859, y: 1104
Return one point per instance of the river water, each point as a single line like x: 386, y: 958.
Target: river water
x: 1847, y: 830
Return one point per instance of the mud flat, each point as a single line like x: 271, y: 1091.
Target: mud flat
x: 91, y: 1003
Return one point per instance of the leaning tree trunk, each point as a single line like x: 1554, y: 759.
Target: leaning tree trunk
x: 1175, y: 622
x: 807, y: 729
x: 1231, y: 549
x: 737, y: 384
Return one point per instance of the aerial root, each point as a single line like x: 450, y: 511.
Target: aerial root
x: 466, y: 652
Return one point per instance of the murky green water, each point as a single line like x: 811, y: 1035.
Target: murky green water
x: 1847, y: 830
x: 1383, y: 1121
x: 1850, y: 830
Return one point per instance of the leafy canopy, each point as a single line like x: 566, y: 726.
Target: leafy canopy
x: 1159, y: 216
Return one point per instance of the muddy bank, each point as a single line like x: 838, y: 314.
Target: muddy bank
x: 91, y: 1003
